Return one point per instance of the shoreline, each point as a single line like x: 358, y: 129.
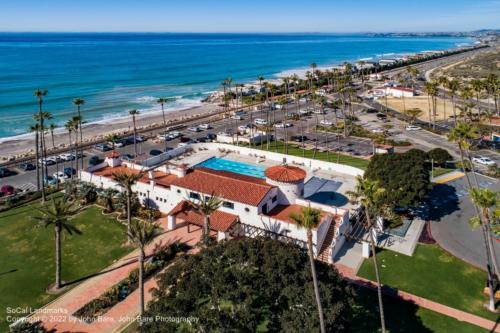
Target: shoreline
x: 21, y: 145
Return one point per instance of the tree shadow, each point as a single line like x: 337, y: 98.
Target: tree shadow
x: 442, y: 201
x: 401, y: 316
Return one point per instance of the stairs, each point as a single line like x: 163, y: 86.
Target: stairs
x: 324, y: 252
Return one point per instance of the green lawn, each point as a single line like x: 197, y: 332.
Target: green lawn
x: 296, y: 150
x: 434, y: 274
x: 27, y: 255
x: 405, y: 317
x: 438, y: 171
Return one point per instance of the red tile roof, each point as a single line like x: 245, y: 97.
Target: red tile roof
x: 285, y: 173
x: 113, y: 154
x: 282, y: 213
x: 161, y: 178
x: 224, y: 184
x: 219, y: 221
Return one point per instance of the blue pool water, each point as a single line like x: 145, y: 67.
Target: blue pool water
x: 217, y: 163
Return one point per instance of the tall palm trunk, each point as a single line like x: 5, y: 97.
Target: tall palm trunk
x: 206, y: 226
x: 129, y: 213
x: 377, y: 275
x: 315, y: 281
x: 316, y: 136
x: 58, y: 256
x: 135, y: 136
x: 37, y: 161
x: 164, y: 122
x: 81, y: 136
x: 141, y: 282
x: 57, y: 160
x: 486, y: 237
x: 71, y: 161
x: 454, y: 110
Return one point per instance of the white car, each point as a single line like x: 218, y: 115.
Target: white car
x: 304, y: 112
x: 237, y: 117
x: 60, y: 175
x: 67, y: 157
x: 412, y: 128
x: 282, y: 125
x: 319, y: 111
x: 205, y: 126
x: 194, y: 129
x: 377, y: 131
x: 483, y: 160
x: 326, y: 122
x: 242, y: 128
x: 260, y: 121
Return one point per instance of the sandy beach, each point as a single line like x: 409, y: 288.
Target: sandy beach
x: 24, y: 145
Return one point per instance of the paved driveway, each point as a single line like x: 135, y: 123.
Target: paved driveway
x: 450, y: 211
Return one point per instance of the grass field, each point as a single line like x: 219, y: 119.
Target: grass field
x: 27, y: 258
x: 434, y: 274
x: 405, y: 317
x: 295, y: 150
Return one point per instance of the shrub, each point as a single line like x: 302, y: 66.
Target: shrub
x: 439, y: 156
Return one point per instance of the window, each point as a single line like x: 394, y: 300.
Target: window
x: 247, y: 209
x: 273, y: 200
x: 178, y: 191
x: 228, y: 204
x: 193, y: 195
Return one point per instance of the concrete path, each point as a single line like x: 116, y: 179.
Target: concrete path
x: 448, y: 177
x: 121, y: 314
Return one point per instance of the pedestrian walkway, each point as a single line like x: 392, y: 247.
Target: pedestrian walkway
x: 460, y: 315
x: 448, y: 177
x: 122, y: 313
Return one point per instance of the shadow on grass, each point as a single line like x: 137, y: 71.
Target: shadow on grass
x: 400, y: 316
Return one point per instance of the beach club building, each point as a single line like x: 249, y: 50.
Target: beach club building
x: 256, y: 200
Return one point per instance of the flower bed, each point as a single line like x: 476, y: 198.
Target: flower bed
x: 120, y: 291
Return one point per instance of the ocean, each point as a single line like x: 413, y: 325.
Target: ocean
x: 116, y: 72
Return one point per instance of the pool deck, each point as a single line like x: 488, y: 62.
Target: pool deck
x: 343, y: 182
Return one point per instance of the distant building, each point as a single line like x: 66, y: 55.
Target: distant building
x: 397, y: 92
x: 384, y: 62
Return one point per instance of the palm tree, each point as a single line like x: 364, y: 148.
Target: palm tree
x: 444, y: 82
x: 40, y: 94
x: 141, y: 234
x: 369, y: 193
x: 309, y: 219
x: 485, y: 199
x: 162, y: 101
x: 58, y: 215
x: 478, y: 87
x: 52, y: 127
x: 126, y: 180
x: 453, y: 86
x: 492, y: 87
x: 134, y: 113
x: 34, y: 128
x: 70, y: 126
x: 206, y: 206
x: 75, y: 120
x: 313, y: 67
x: 431, y: 89
x: 413, y: 114
x: 113, y: 138
x: 78, y: 102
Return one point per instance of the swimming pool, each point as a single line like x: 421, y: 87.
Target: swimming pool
x: 217, y: 163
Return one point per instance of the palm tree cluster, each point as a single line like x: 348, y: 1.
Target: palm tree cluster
x: 483, y: 200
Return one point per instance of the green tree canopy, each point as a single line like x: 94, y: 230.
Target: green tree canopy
x: 249, y: 285
x: 405, y: 177
x: 439, y: 156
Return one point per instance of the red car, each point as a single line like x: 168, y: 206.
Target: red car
x: 7, y: 190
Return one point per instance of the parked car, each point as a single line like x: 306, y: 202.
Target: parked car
x: 102, y: 147
x: 237, y: 117
x: 127, y: 157
x: 299, y: 138
x: 381, y: 116
x: 211, y: 136
x: 243, y: 128
x: 67, y: 157
x: 46, y: 161
x: 155, y: 152
x: 483, y: 160
x: 260, y: 121
x: 205, y: 126
x: 412, y: 128
x: 69, y: 171
x: 282, y: 125
x: 94, y: 160
x: 26, y: 166
x: 184, y: 139
x: 201, y: 139
x: 7, y: 190
x: 326, y: 122
x: 194, y: 129
x: 60, y: 175
x: 119, y: 143
x: 49, y: 180
x: 4, y: 172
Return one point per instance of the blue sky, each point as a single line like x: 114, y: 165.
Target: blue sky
x: 248, y: 15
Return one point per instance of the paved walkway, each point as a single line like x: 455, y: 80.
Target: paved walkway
x: 420, y: 301
x: 448, y: 177
x: 121, y: 314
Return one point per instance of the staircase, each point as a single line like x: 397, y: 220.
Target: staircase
x: 325, y: 251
